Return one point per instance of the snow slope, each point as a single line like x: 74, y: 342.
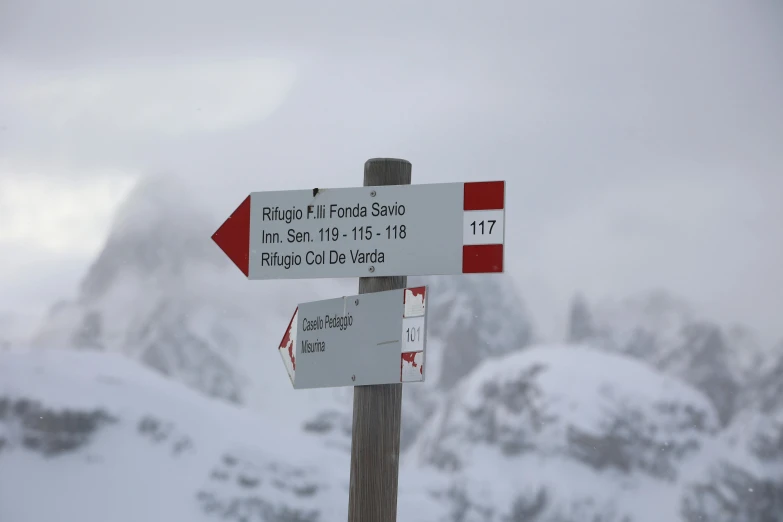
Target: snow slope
x: 550, y: 434
x: 561, y: 433
x: 100, y: 438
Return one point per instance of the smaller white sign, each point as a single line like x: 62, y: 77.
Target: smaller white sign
x: 360, y: 340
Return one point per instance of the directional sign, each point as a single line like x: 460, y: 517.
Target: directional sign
x: 433, y: 229
x: 377, y: 338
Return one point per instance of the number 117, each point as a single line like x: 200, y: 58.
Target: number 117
x: 481, y: 226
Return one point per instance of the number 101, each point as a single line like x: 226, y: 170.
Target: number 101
x: 414, y: 334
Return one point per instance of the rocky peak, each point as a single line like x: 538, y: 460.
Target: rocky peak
x: 664, y: 331
x: 157, y: 293
x: 156, y: 231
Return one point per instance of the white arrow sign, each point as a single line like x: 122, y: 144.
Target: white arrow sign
x: 377, y: 338
x: 391, y: 230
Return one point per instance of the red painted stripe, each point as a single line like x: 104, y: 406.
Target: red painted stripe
x: 485, y: 195
x: 481, y: 259
x: 233, y: 236
x: 287, y: 337
x: 409, y: 357
x: 416, y: 290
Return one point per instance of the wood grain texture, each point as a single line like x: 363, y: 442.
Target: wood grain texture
x: 375, y: 443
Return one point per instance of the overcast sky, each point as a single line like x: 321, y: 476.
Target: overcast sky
x: 642, y: 141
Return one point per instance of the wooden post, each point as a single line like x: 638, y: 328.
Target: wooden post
x: 377, y: 410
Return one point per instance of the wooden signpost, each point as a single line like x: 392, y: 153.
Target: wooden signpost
x: 381, y: 232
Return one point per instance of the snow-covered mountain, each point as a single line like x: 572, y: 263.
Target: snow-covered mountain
x: 527, y: 437
x: 146, y: 295
x: 561, y: 433
x: 666, y: 333
x: 94, y: 436
x: 162, y: 293
x: 570, y: 432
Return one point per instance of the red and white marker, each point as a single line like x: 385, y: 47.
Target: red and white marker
x: 414, y: 334
x: 483, y: 227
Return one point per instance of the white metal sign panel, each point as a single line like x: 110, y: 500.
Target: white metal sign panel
x: 377, y: 338
x: 430, y: 229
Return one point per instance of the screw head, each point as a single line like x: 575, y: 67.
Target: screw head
x: 353, y: 377
x: 372, y: 269
x: 356, y: 302
x: 372, y: 193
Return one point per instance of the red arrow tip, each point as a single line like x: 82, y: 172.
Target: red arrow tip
x: 233, y: 236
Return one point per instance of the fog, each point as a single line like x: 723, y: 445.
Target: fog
x: 639, y: 140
